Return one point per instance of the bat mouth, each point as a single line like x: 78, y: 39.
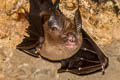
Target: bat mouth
x: 70, y: 41
x: 70, y: 45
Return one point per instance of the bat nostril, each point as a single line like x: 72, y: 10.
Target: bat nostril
x: 71, y: 37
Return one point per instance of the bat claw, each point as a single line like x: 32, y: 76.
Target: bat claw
x: 103, y: 70
x: 104, y: 65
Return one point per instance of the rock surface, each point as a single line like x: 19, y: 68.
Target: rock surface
x: 101, y: 21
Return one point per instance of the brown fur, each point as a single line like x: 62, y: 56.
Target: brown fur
x: 53, y: 47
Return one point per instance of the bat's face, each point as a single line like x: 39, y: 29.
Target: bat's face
x: 62, y: 37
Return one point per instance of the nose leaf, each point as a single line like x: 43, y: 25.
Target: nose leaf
x: 71, y: 37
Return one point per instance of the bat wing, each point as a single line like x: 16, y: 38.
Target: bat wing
x: 39, y: 13
x: 87, y: 60
x: 35, y: 30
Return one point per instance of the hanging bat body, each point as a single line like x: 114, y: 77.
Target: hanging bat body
x: 56, y: 38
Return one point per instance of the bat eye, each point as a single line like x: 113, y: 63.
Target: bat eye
x: 54, y: 28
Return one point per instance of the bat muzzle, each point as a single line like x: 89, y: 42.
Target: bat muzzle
x: 70, y: 40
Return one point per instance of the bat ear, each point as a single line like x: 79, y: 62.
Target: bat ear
x: 56, y: 20
x: 55, y: 2
x: 78, y: 20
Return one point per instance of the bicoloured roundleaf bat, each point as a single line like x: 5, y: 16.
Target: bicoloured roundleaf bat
x: 55, y: 37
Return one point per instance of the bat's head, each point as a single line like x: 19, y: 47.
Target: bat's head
x: 63, y: 37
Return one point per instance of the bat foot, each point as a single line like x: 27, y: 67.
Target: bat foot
x: 104, y: 65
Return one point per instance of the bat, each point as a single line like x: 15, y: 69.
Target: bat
x: 55, y: 37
